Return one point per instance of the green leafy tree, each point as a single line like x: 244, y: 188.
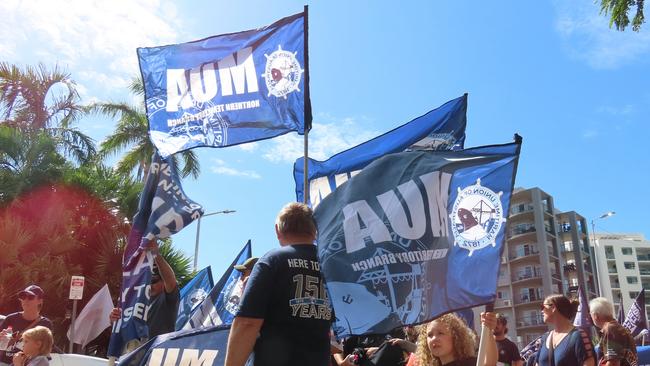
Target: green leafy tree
x: 618, y: 11
x: 37, y: 99
x: 132, y: 135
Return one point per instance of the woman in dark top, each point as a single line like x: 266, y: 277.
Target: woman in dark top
x: 565, y: 345
x: 448, y: 341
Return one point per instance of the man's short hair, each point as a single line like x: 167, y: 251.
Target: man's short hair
x: 501, y: 319
x: 297, y: 219
x: 601, y: 306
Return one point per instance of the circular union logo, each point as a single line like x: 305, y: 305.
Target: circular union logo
x: 477, y: 217
x: 282, y: 72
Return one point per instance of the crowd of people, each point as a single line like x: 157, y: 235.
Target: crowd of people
x: 285, y: 318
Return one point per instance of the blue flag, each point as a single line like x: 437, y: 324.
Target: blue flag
x: 222, y: 303
x: 205, y: 346
x: 529, y: 352
x: 636, y: 320
x: 228, y: 89
x: 164, y: 209
x: 440, y: 129
x: 193, y: 294
x: 415, y: 235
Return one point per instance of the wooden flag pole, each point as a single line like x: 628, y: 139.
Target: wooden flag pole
x: 485, y: 334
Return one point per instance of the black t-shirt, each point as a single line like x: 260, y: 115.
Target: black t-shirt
x: 464, y: 362
x: 162, y: 314
x: 287, y: 290
x: 508, y: 352
x: 19, y: 324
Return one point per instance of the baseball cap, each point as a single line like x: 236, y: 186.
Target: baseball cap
x: 248, y: 265
x: 501, y: 319
x: 32, y: 290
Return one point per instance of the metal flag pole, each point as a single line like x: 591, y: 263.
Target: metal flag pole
x: 308, y: 115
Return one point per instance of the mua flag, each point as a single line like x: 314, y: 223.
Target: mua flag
x: 193, y: 294
x: 164, y: 209
x: 440, y: 129
x: 415, y: 235
x: 583, y: 316
x: 636, y: 320
x: 222, y: 303
x: 228, y: 89
x: 205, y: 346
x: 620, y: 317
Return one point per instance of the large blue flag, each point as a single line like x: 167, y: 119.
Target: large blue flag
x: 205, y: 347
x: 228, y: 89
x: 636, y: 320
x: 415, y: 235
x: 164, y: 209
x: 222, y: 303
x: 440, y: 129
x: 193, y: 294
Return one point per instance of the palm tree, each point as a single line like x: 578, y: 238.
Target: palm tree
x: 27, y: 160
x: 132, y: 133
x: 31, y: 100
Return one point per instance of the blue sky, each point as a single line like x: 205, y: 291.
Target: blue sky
x: 551, y: 71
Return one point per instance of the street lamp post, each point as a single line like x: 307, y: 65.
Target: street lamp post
x: 593, y: 236
x: 198, y: 232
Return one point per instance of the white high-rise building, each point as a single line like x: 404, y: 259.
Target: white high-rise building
x: 623, y: 262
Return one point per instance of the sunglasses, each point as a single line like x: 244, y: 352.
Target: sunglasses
x: 26, y: 297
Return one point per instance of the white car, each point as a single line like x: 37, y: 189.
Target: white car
x: 68, y: 359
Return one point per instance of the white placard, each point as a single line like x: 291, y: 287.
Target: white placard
x: 76, y: 287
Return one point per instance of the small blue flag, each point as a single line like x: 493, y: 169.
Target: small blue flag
x: 583, y: 316
x: 192, y: 295
x: 529, y: 352
x: 440, y: 129
x: 222, y: 303
x: 415, y: 235
x: 206, y: 346
x: 636, y: 320
x: 164, y: 209
x: 620, y: 318
x: 228, y: 89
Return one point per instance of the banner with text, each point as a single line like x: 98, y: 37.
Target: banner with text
x: 440, y: 129
x: 206, y: 347
x: 163, y: 210
x: 228, y: 89
x: 415, y: 235
x: 222, y: 303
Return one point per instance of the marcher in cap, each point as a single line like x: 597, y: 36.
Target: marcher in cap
x: 246, y: 268
x: 31, y: 301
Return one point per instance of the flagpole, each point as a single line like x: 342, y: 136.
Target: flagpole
x: 308, y: 115
x: 485, y: 334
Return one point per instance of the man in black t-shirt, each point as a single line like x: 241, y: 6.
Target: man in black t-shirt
x: 508, y: 351
x: 285, y: 301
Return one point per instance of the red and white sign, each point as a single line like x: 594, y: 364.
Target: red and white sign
x: 76, y: 287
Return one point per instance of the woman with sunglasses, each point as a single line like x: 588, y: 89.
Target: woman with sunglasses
x: 31, y: 301
x: 565, y: 345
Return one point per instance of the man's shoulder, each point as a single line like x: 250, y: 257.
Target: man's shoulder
x: 288, y: 251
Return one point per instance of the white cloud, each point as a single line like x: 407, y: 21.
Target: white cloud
x: 95, y: 40
x: 617, y: 111
x: 220, y: 167
x: 325, y: 140
x: 589, y: 38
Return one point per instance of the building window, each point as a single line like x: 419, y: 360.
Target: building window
x: 629, y: 265
x: 609, y: 252
x: 632, y: 280
x: 626, y: 251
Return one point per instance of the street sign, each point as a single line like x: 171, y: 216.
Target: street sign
x: 76, y: 287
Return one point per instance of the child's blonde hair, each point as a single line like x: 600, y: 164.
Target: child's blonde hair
x: 43, y: 335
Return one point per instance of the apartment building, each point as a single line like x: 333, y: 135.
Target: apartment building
x: 623, y: 267
x: 546, y: 252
